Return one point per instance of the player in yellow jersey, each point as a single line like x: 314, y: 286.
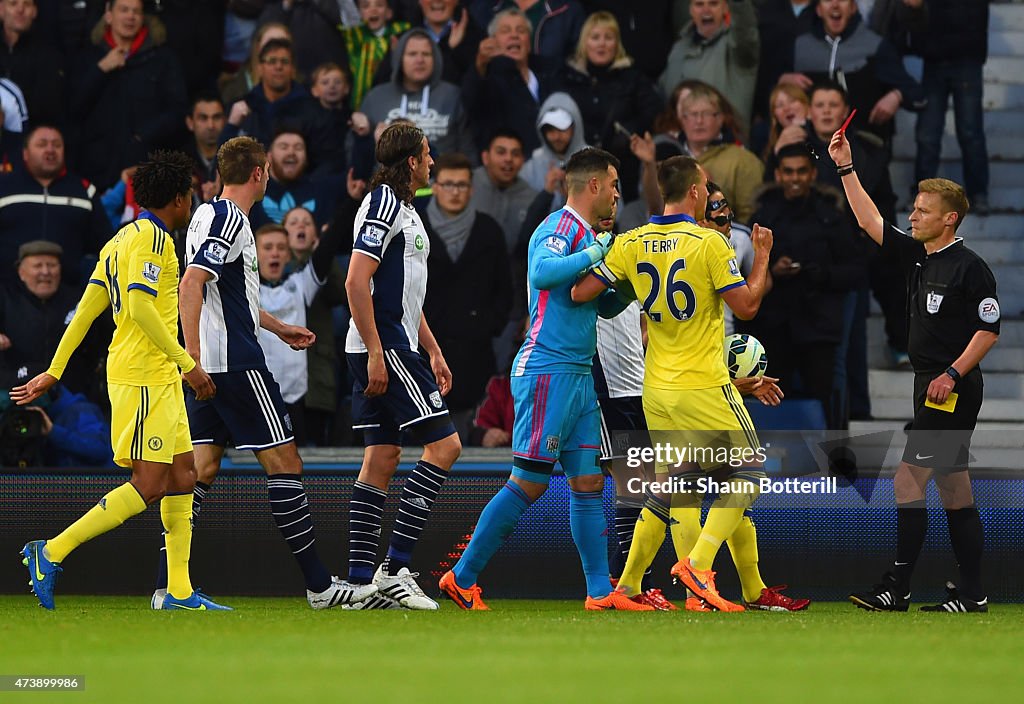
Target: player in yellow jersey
x: 137, y: 278
x: 682, y: 273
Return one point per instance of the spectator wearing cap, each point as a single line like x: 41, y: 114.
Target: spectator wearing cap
x: 559, y: 126
x: 127, y: 93
x: 615, y: 99
x: 813, y: 264
x: 34, y: 312
x: 46, y: 201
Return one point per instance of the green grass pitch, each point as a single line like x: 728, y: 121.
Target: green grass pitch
x: 278, y: 650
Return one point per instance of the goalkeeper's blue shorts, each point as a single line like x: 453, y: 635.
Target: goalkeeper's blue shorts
x: 556, y: 413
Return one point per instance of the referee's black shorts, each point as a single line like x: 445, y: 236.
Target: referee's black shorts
x: 941, y: 440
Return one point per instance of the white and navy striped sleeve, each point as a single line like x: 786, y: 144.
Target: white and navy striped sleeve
x: 213, y: 239
x: 15, y: 109
x: 376, y: 222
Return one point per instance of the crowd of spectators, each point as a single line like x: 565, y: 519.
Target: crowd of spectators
x: 506, y: 91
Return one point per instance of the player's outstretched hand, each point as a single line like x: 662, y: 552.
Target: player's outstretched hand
x: 761, y: 238
x: 376, y: 375
x: 296, y: 337
x: 36, y: 387
x: 598, y: 250
x: 764, y: 388
x: 839, y: 149
x: 200, y: 382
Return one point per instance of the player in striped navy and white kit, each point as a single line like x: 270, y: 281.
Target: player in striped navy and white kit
x: 396, y: 392
x: 220, y: 319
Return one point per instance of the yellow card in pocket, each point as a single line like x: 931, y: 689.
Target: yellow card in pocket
x: 949, y: 406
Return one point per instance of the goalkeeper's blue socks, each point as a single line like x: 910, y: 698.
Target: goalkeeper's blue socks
x: 496, y: 522
x: 590, y: 533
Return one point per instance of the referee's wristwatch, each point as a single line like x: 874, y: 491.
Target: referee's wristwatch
x: 953, y: 374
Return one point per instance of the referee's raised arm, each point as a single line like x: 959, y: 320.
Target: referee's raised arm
x: 868, y: 217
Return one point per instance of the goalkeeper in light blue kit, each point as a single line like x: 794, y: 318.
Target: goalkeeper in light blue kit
x: 556, y: 413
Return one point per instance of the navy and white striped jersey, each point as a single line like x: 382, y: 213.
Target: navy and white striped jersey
x: 221, y: 242
x: 15, y: 109
x: 620, y: 352
x: 391, y: 232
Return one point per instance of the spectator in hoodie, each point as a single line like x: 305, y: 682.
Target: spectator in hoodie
x: 314, y: 27
x: 559, y: 126
x: 555, y: 24
x: 367, y: 44
x: 454, y: 31
x: 276, y: 102
x: 127, y: 93
x: 504, y: 92
x: 720, y: 53
x: 417, y: 93
x: 290, y: 183
x: 610, y: 93
x: 32, y: 62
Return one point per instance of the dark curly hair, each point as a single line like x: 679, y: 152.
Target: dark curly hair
x: 401, y: 140
x: 164, y: 176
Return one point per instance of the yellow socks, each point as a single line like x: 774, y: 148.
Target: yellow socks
x: 176, y: 514
x: 685, y: 523
x: 743, y: 546
x: 647, y: 539
x: 112, y: 510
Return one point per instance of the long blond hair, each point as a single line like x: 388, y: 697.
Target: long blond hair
x: 595, y: 20
x: 796, y: 93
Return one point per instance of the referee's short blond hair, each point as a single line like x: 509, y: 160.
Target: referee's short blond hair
x: 952, y: 196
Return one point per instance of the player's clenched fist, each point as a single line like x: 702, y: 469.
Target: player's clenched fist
x: 761, y: 237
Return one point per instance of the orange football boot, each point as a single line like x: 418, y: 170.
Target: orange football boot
x: 468, y: 599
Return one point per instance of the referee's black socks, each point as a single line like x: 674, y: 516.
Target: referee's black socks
x: 968, y: 538
x: 911, y: 528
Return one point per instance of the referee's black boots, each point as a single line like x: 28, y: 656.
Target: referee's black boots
x: 887, y: 596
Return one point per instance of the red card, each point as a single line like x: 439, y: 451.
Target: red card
x: 846, y: 124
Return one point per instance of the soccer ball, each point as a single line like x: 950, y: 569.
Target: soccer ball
x: 745, y: 356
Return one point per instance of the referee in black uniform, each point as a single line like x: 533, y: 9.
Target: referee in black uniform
x: 953, y: 314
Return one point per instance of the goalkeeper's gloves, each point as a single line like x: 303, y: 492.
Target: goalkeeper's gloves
x: 602, y: 243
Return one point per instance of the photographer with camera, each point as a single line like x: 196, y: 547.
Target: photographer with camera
x: 61, y: 429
